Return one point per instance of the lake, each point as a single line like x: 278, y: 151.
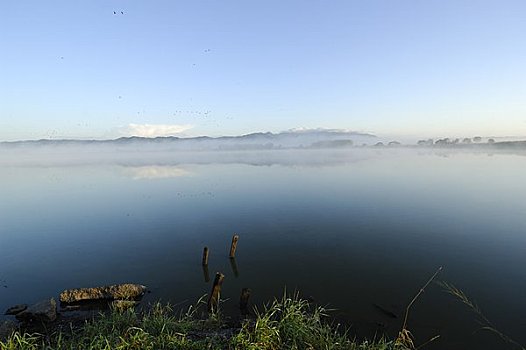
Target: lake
x: 357, y: 230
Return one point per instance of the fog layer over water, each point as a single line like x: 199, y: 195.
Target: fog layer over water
x: 353, y: 229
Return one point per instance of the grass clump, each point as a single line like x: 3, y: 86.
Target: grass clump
x: 291, y: 323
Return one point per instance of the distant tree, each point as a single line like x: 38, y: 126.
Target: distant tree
x: 491, y: 141
x: 455, y: 141
x: 445, y: 141
x: 394, y: 143
x: 466, y: 140
x: 379, y: 144
x: 477, y: 139
x: 421, y: 142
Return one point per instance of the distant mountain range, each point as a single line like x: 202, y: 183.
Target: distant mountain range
x: 312, y: 138
x: 292, y: 139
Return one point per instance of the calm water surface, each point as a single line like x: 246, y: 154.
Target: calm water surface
x: 350, y: 229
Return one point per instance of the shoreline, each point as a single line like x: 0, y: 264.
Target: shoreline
x: 289, y: 322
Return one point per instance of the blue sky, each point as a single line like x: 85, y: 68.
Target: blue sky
x: 74, y: 69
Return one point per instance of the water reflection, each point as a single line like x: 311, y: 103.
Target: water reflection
x: 233, y: 265
x: 153, y: 172
x: 206, y: 274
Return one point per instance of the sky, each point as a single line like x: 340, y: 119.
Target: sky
x: 110, y: 68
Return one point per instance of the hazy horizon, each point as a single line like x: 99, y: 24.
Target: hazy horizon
x: 379, y: 137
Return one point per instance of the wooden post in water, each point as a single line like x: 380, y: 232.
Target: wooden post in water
x: 243, y: 300
x: 233, y: 246
x: 205, y: 256
x: 213, y: 299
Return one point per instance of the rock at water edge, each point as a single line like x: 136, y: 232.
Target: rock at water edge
x: 45, y: 310
x: 125, y: 291
x: 13, y: 310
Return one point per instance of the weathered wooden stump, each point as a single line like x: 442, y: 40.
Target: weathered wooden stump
x: 243, y: 300
x: 213, y: 299
x: 233, y: 246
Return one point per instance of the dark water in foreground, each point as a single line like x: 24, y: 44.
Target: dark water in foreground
x: 350, y: 229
